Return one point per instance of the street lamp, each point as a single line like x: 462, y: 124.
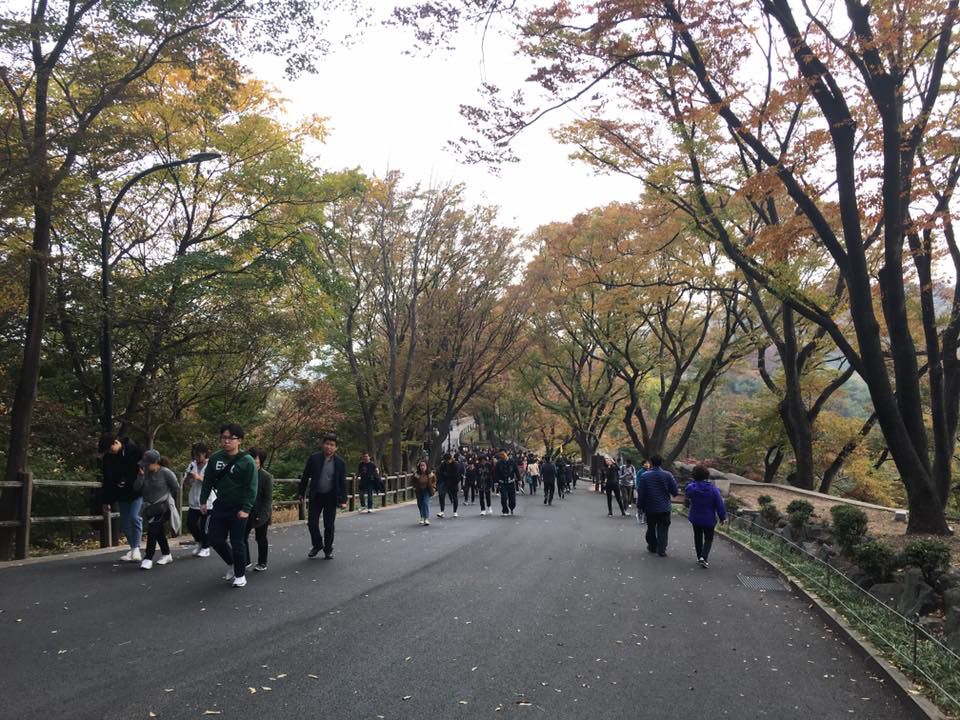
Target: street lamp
x: 106, y: 319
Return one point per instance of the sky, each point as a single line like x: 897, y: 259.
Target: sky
x: 388, y: 110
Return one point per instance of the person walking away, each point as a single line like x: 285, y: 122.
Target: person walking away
x: 324, y: 481
x: 485, y: 479
x: 448, y: 476
x: 628, y: 483
x: 197, y: 523
x: 611, y: 476
x: 156, y: 484
x: 470, y: 479
x: 262, y: 512
x: 548, y: 474
x: 655, y: 487
x: 424, y: 487
x: 706, y: 505
x: 533, y: 473
x: 120, y: 467
x: 562, y: 484
x: 232, y: 474
x: 370, y: 481
x: 570, y: 473
x: 506, y: 475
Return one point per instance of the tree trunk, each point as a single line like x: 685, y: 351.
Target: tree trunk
x: 771, y: 463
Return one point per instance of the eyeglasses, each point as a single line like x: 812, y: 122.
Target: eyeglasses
x: 229, y: 438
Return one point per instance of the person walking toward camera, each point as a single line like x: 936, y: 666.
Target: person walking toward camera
x: 232, y: 474
x: 196, y: 522
x: 448, y: 477
x: 120, y: 467
x: 324, y: 482
x: 424, y: 487
x: 262, y: 512
x: 655, y: 487
x: 706, y: 505
x: 370, y: 482
x: 157, y: 485
x: 611, y: 475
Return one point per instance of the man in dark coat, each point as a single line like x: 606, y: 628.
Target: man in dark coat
x: 655, y: 487
x: 324, y: 482
x: 548, y: 474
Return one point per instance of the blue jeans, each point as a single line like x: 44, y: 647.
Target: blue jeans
x: 366, y: 497
x: 423, y: 502
x: 130, y: 521
x: 224, y: 522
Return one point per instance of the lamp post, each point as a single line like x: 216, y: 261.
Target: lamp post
x: 106, y: 318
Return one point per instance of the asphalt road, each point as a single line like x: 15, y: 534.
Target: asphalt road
x: 555, y: 612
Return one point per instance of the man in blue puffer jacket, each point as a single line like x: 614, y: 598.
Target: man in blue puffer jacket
x: 655, y: 487
x: 706, y: 505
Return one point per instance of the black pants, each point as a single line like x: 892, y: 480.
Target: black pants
x: 658, y: 528
x: 224, y: 522
x: 451, y: 490
x: 485, y: 496
x: 260, y: 533
x: 197, y: 525
x: 366, y: 497
x: 613, y: 490
x: 702, y: 541
x: 470, y: 493
x: 325, y: 503
x: 548, y: 486
x: 508, y: 497
x: 157, y: 535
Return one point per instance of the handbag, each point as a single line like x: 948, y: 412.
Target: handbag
x: 157, y: 508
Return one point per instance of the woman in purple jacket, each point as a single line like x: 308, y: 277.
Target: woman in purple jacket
x: 706, y: 505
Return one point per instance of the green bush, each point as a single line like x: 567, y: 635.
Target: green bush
x: 799, y: 512
x: 770, y: 515
x: 932, y: 556
x: 849, y: 525
x: 732, y: 503
x: 877, y: 559
x: 764, y: 500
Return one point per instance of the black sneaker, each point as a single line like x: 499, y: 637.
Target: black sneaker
x: 313, y: 552
x: 328, y: 555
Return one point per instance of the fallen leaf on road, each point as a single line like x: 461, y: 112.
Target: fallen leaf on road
x: 406, y: 697
x: 212, y: 712
x: 252, y: 690
x: 315, y: 677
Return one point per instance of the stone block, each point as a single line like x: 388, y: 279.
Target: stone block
x: 917, y: 596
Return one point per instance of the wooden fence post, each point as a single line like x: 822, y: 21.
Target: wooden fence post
x: 353, y: 493
x: 302, y: 508
x: 22, y: 549
x: 106, y: 533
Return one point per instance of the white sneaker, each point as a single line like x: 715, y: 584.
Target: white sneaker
x: 421, y: 521
x: 483, y: 512
x: 230, y: 576
x: 127, y: 556
x: 146, y: 564
x: 439, y: 514
x: 426, y: 522
x: 136, y: 555
x: 240, y: 581
x: 196, y: 551
x: 369, y: 510
x: 204, y: 552
x: 456, y: 514
x: 165, y: 560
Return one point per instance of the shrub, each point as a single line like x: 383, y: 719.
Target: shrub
x: 877, y: 559
x: 849, y: 525
x: 799, y: 512
x: 732, y: 503
x: 770, y: 515
x: 932, y: 556
x: 764, y: 500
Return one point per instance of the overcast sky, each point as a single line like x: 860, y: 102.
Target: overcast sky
x: 391, y: 111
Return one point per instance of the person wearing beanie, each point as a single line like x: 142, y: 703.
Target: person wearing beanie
x: 157, y: 484
x: 706, y: 505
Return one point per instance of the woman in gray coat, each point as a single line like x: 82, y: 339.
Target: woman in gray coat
x: 262, y: 511
x: 157, y: 484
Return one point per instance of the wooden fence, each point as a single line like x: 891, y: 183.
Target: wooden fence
x: 397, y: 489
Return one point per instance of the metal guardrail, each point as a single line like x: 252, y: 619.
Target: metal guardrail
x: 396, y: 489
x: 904, y: 640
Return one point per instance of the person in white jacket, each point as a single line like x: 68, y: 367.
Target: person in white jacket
x: 197, y: 521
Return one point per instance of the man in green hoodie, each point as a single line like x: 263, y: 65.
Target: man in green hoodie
x: 233, y: 474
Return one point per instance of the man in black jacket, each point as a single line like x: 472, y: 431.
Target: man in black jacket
x: 548, y: 474
x: 120, y: 466
x: 449, y: 474
x: 324, y: 482
x: 370, y: 481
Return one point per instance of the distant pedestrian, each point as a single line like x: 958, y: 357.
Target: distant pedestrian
x: 507, y: 475
x: 158, y: 485
x: 611, y: 477
x: 448, y: 478
x: 120, y: 467
x: 485, y: 481
x: 533, y: 475
x: 470, y: 478
x: 424, y: 487
x: 706, y: 505
x: 369, y: 481
x: 655, y: 487
x: 232, y: 474
x: 196, y: 522
x: 548, y: 474
x: 262, y: 512
x: 628, y: 483
x: 324, y: 482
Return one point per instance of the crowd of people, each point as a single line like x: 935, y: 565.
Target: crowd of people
x: 230, y: 495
